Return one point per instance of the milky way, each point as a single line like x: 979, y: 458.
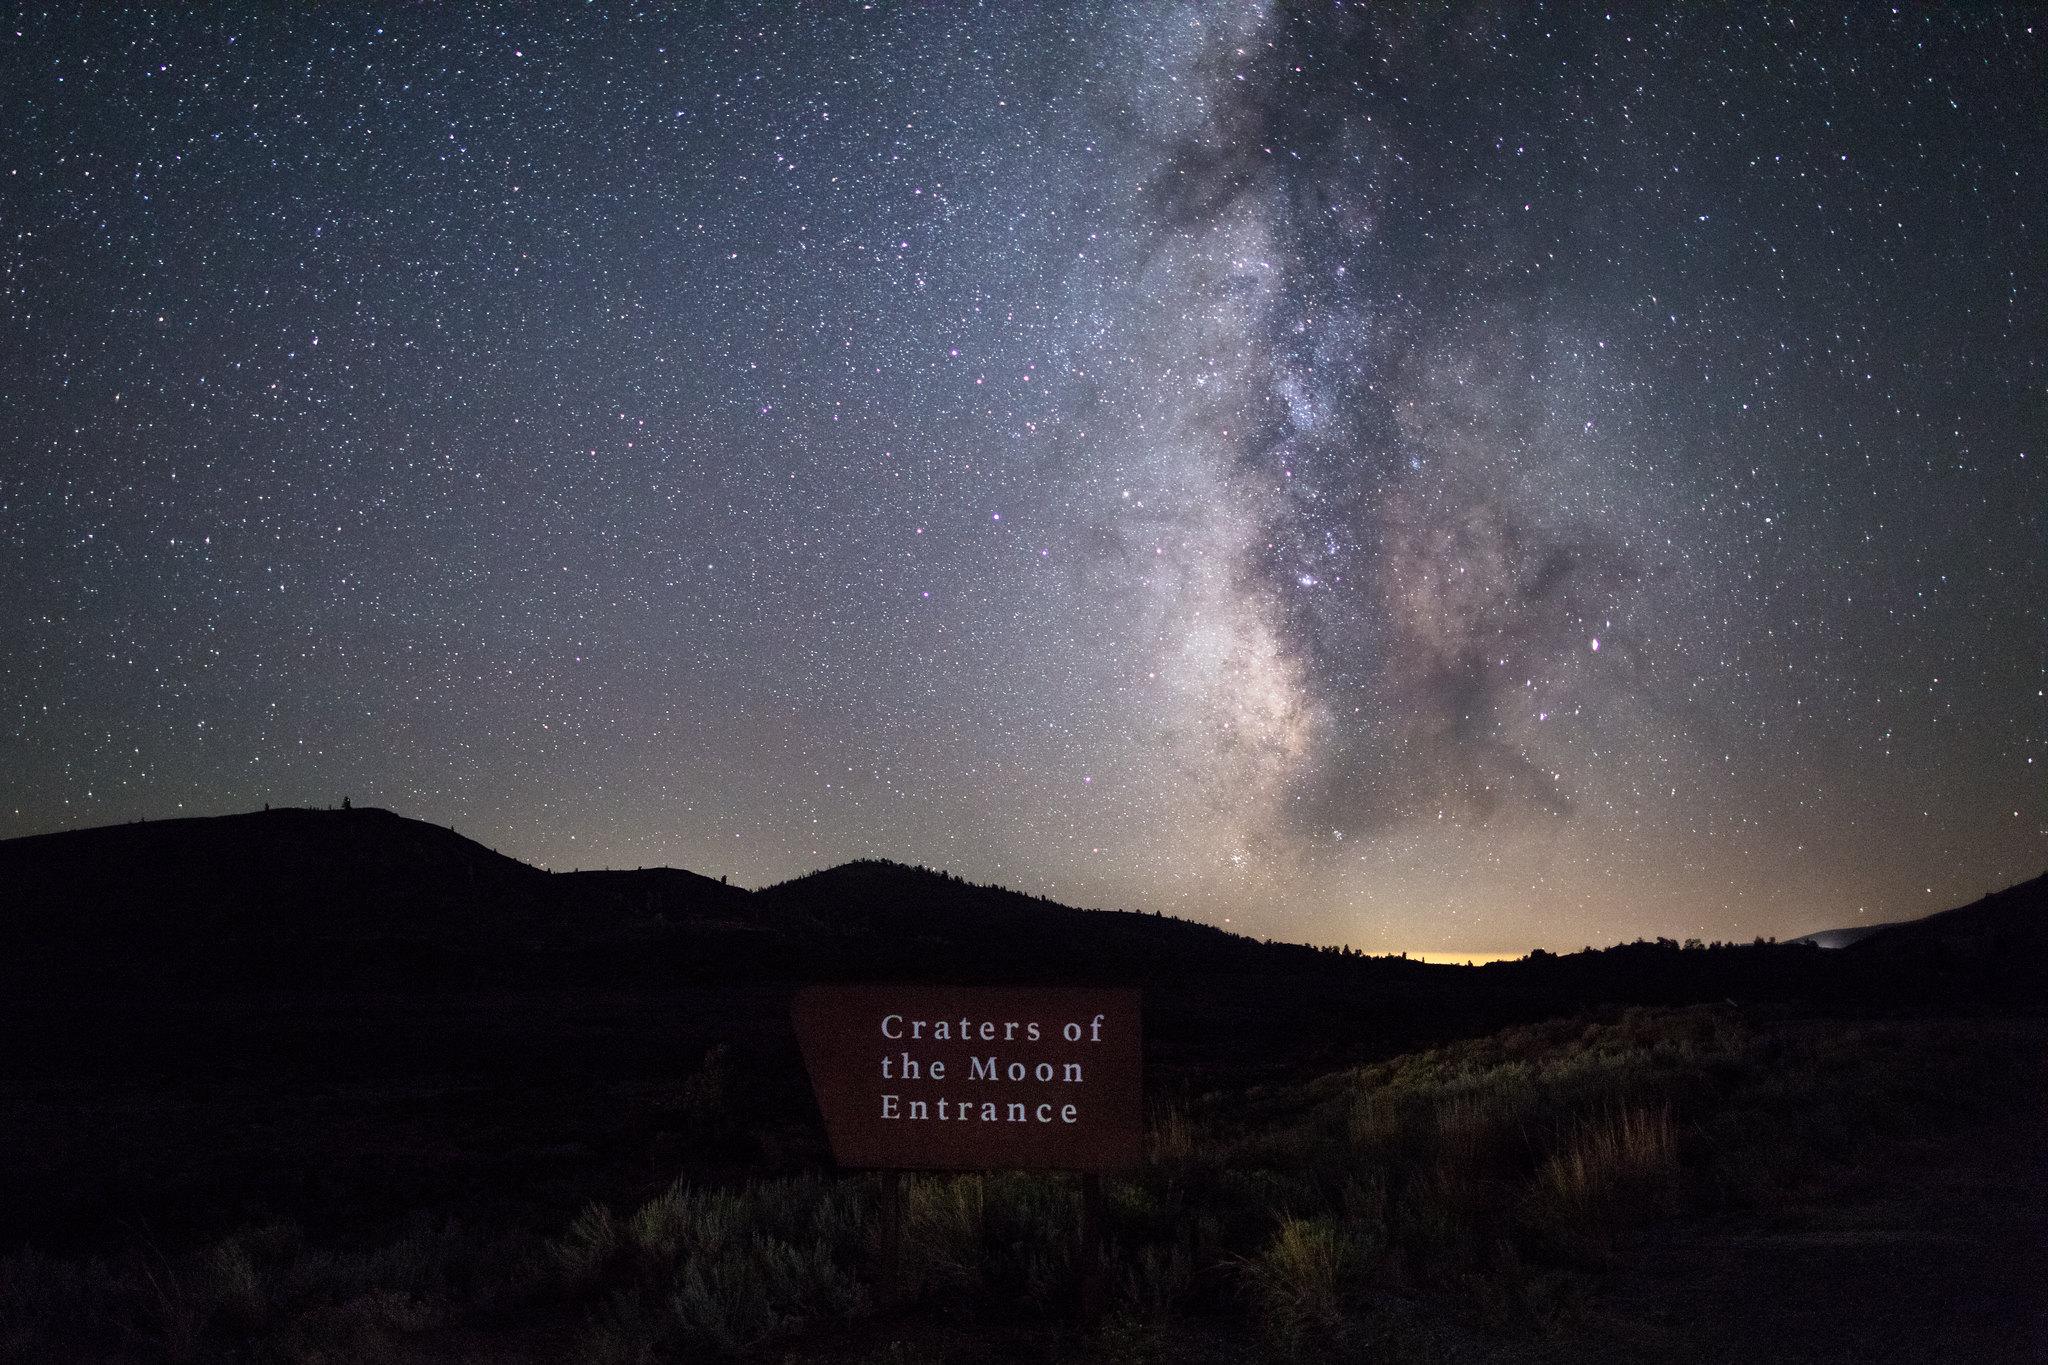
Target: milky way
x: 1411, y: 560
x: 1442, y: 481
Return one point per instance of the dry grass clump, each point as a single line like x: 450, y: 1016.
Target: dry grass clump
x: 1304, y: 1279
x: 720, y: 1269
x: 1613, y: 1167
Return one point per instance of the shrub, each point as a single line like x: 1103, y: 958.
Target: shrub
x: 719, y: 1269
x: 1617, y: 1166
x: 1303, y: 1278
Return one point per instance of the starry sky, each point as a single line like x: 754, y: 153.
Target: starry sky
x: 1449, y: 482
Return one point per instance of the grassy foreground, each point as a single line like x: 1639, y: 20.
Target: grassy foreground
x: 1464, y: 1200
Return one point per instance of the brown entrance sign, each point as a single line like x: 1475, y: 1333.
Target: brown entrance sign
x: 976, y: 1077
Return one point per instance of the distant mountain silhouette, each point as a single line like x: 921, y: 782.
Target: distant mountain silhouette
x: 364, y: 897
x: 885, y: 915
x: 1842, y: 938
x: 297, y: 899
x: 305, y: 897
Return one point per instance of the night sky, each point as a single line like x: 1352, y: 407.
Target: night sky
x: 1453, y: 484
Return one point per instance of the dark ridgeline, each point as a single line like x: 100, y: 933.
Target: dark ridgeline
x: 349, y: 1013
x: 2004, y: 933
x: 294, y: 899
x: 306, y: 899
x: 298, y: 899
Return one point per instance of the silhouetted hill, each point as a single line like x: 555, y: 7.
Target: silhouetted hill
x: 262, y: 896
x: 309, y: 899
x: 300, y: 898
x: 2007, y: 925
x: 315, y: 899
x: 2005, y: 930
x: 381, y: 860
x: 882, y: 916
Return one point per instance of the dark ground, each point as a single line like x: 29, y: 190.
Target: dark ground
x: 1923, y: 1250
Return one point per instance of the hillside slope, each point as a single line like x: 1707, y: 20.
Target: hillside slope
x: 2006, y: 926
x: 304, y: 898
x: 315, y: 899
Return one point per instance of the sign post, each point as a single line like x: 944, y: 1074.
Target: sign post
x: 968, y: 1078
